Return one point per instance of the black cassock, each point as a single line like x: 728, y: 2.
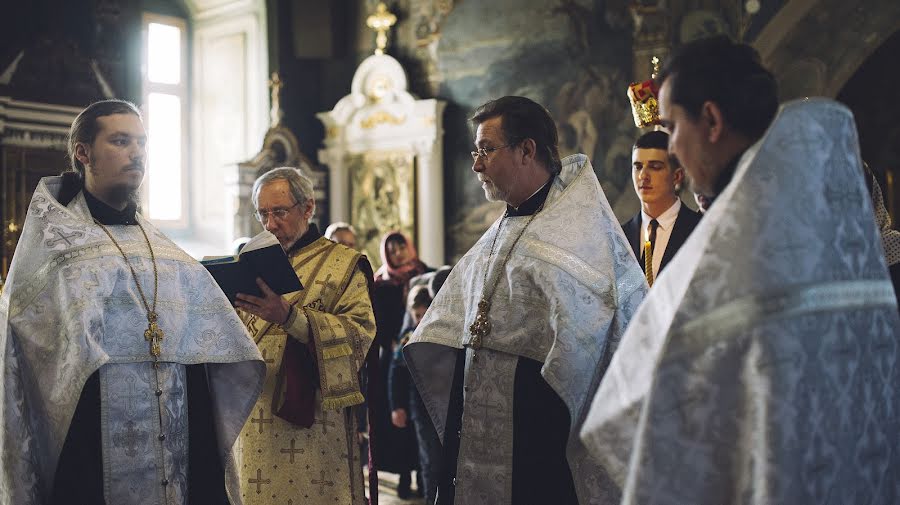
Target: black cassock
x: 540, y: 470
x: 395, y: 448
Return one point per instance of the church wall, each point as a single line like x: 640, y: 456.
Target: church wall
x: 316, y: 72
x: 63, y: 46
x: 574, y: 57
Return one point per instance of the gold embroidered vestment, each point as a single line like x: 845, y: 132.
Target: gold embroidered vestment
x: 283, y: 463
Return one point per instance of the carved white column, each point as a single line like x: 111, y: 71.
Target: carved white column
x: 338, y: 188
x: 430, y: 194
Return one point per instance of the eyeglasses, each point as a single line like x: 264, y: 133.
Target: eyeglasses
x: 279, y: 214
x: 484, y: 151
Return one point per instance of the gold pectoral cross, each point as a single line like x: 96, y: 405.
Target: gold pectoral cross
x: 153, y: 334
x: 481, y: 327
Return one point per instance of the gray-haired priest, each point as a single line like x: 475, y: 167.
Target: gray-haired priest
x: 526, y: 322
x: 300, y: 445
x: 127, y: 376
x: 764, y: 365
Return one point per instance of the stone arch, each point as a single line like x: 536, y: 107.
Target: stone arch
x: 815, y: 46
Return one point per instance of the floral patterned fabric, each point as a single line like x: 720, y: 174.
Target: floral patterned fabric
x: 564, y: 298
x: 70, y: 307
x: 763, y: 366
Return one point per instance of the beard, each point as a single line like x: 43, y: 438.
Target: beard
x: 124, y: 193
x: 121, y: 193
x: 493, y: 193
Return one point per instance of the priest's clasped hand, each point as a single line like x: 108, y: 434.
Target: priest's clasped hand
x: 271, y: 307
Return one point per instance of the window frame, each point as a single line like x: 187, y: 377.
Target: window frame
x: 181, y: 90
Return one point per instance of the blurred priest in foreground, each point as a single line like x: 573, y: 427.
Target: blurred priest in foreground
x: 764, y: 365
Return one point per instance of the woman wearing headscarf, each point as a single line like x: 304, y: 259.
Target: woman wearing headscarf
x: 396, y: 450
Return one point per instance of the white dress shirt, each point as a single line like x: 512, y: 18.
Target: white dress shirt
x: 666, y: 222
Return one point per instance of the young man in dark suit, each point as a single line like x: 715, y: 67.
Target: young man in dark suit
x: 664, y: 222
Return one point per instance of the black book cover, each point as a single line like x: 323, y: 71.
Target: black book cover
x: 262, y: 257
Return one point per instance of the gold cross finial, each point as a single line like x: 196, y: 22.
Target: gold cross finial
x: 275, y: 112
x: 381, y: 22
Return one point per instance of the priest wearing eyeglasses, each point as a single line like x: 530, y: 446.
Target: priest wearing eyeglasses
x: 517, y: 340
x: 300, y: 443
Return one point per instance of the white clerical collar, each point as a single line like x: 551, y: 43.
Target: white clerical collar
x: 666, y: 220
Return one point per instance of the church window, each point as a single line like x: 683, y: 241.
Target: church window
x: 165, y: 93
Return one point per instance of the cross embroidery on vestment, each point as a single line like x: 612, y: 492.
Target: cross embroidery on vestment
x: 325, y: 423
x: 322, y: 483
x: 292, y: 450
x: 129, y: 439
x: 261, y: 420
x: 62, y: 237
x: 259, y: 481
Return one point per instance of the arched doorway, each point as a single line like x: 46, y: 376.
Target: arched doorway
x: 813, y: 47
x: 847, y: 51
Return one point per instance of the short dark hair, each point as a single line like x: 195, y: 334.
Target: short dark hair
x: 520, y: 119
x: 84, y: 129
x: 418, y: 296
x: 652, y: 140
x: 656, y: 139
x: 719, y: 70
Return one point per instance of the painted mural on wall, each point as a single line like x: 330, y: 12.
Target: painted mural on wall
x: 572, y: 56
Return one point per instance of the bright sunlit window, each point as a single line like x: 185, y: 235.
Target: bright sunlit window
x: 165, y: 111
x: 164, y: 53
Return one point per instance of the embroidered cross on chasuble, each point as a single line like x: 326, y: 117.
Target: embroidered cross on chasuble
x: 282, y: 460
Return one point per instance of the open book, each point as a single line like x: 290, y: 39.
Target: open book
x: 261, y: 257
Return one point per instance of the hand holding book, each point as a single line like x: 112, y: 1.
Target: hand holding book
x: 261, y: 258
x: 270, y: 306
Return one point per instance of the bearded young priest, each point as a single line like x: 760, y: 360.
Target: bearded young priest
x: 127, y: 374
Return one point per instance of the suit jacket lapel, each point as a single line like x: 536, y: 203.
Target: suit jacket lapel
x: 684, y: 225
x: 632, y: 230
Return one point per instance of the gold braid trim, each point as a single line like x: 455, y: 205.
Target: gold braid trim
x: 343, y: 401
x: 337, y: 351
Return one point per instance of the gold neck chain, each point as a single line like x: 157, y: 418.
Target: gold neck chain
x: 481, y: 326
x: 153, y: 333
